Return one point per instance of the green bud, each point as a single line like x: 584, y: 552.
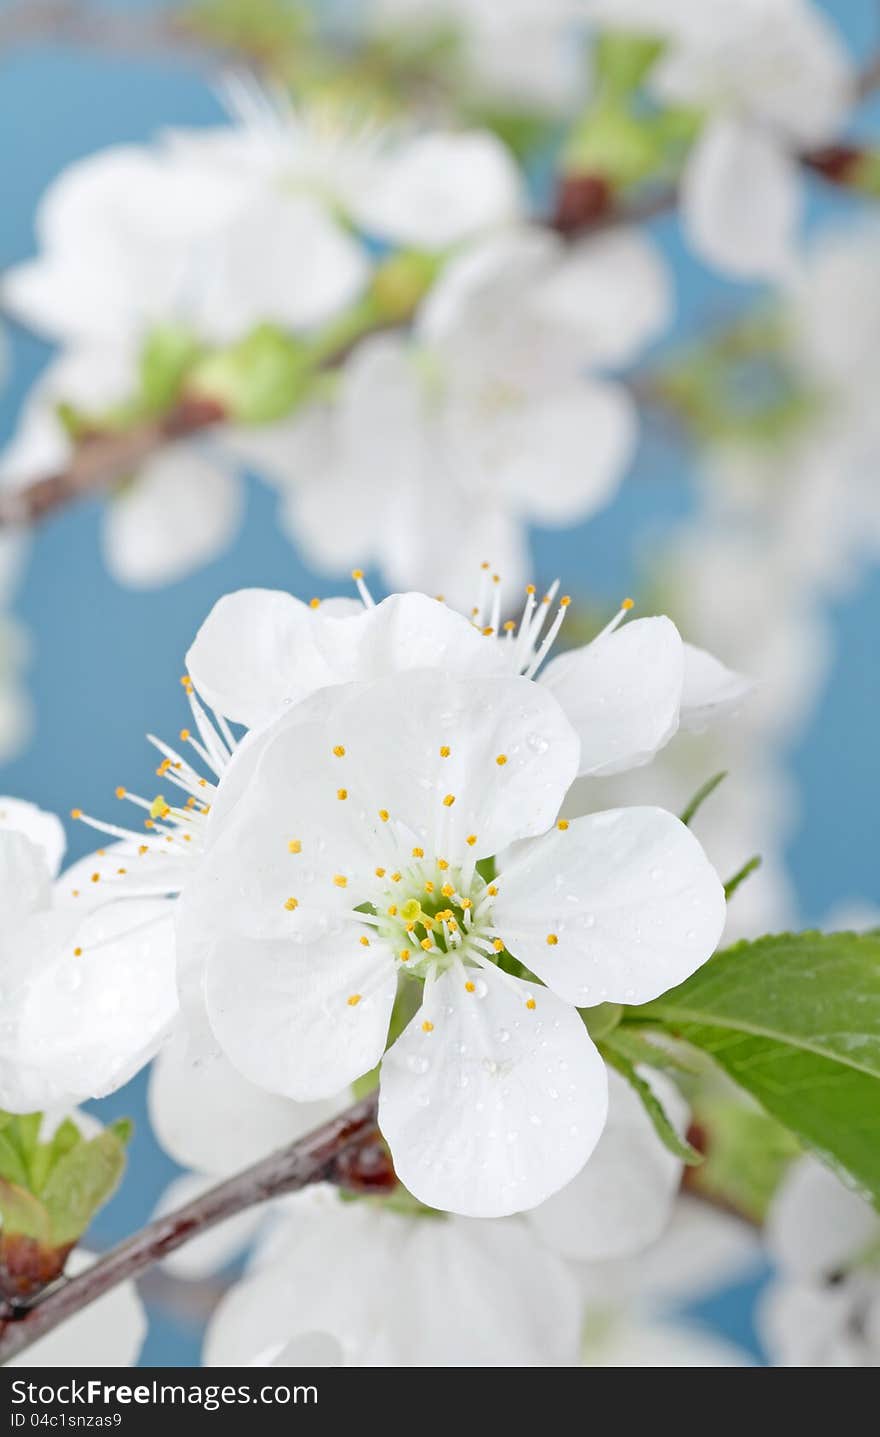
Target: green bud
x: 401, y: 282
x: 256, y: 380
x: 623, y: 59
x: 49, y: 1192
x: 166, y: 357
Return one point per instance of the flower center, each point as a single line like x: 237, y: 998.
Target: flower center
x: 433, y: 914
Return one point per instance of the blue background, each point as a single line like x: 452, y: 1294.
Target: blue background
x: 106, y: 660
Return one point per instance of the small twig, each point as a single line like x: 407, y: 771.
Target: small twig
x: 323, y: 1156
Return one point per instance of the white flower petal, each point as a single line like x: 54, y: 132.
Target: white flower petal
x: 108, y: 1333
x: 630, y: 897
x: 439, y: 189
x: 817, y: 1227
x: 622, y: 1199
x: 568, y: 452
x: 382, y: 1289
x: 43, y: 829
x: 622, y: 694
x: 282, y: 259
x: 24, y: 877
x: 260, y: 650
x: 86, y: 1022
x: 496, y: 1106
x: 710, y: 690
x: 181, y: 510
x: 208, y: 1117
x: 613, y: 292
x: 282, y: 1014
x: 805, y: 1325
x: 740, y: 196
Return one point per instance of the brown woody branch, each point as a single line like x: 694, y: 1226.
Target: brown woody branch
x: 348, y: 1150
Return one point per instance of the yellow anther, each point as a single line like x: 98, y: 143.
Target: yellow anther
x: 509, y: 626
x: 427, y: 1026
x: 77, y: 952
x: 184, y: 735
x: 383, y: 814
x: 530, y: 588
x: 501, y: 760
x: 488, y: 631
x: 76, y: 813
x: 445, y: 751
x: 442, y: 864
x: 449, y: 800
x: 562, y: 824
x: 471, y: 840
x: 552, y: 939
x: 163, y: 768
x: 365, y: 942
x: 530, y: 1003
x: 429, y: 887
x: 447, y: 890
x: 121, y: 871
x: 148, y: 823
x: 291, y: 903
x: 75, y: 892
x: 120, y: 792
x: 353, y: 1000
x: 427, y: 944
x: 418, y: 853
x: 143, y: 848
x: 340, y: 880
x: 96, y: 877
x: 466, y: 903
x: 342, y: 793
x: 496, y: 578
x: 357, y: 574
x: 190, y: 802
x: 380, y: 872
x: 294, y: 845
x: 628, y: 603
x: 392, y: 911
x: 404, y: 955
x: 410, y: 928
x: 395, y: 878
x: 314, y: 603
x: 470, y: 987
x: 339, y: 750
x: 498, y: 945
x: 492, y: 890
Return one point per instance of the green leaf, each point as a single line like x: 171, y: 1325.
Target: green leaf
x: 601, y: 1019
x: 750, y: 866
x: 795, y: 1020
x: 80, y: 1183
x: 628, y: 1041
x: 663, y: 1126
x: 702, y: 793
x: 12, y: 1167
x: 22, y: 1213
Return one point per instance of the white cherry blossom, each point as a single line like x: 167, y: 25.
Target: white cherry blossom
x: 342, y: 867
x: 771, y: 78
x: 499, y: 402
x: 823, y: 1309
x: 360, y: 1285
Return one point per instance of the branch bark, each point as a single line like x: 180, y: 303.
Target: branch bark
x: 347, y: 1150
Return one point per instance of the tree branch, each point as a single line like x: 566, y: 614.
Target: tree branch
x: 346, y: 1150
